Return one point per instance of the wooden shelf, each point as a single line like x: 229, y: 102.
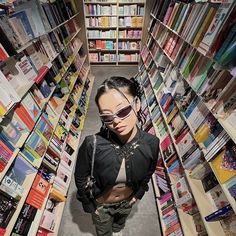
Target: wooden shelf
x: 204, y: 206
x: 101, y: 27
x: 99, y: 15
x: 131, y: 62
x: 129, y: 15
x: 128, y: 50
x: 101, y: 38
x: 102, y: 50
x: 102, y: 3
x: 130, y: 3
x: 130, y: 39
x: 103, y: 62
x: 156, y: 189
x: 130, y: 27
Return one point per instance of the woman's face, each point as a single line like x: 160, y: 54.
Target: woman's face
x: 112, y: 102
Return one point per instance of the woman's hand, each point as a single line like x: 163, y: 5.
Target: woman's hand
x: 133, y: 201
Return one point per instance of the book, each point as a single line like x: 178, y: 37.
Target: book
x: 224, y: 165
x: 215, y: 26
x: 209, y: 181
x: 220, y: 214
x: 217, y: 197
x: 35, y: 145
x: 13, y: 128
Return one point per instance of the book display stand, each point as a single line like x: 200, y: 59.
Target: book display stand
x: 45, y: 87
x: 114, y: 31
x: 187, y: 69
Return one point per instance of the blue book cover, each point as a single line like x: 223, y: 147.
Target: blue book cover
x: 22, y: 16
x: 220, y: 214
x: 9, y: 145
x: 20, y: 169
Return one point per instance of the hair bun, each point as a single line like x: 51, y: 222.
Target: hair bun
x: 137, y: 87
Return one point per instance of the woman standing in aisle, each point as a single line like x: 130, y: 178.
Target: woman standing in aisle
x: 125, y: 157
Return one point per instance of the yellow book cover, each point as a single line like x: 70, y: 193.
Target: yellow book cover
x: 198, y: 38
x: 106, y: 21
x: 202, y: 134
x: 57, y: 195
x: 134, y: 21
x: 222, y: 174
x: 2, y: 110
x: 139, y: 21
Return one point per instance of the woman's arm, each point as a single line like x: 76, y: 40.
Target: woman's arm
x: 144, y: 184
x: 82, y: 171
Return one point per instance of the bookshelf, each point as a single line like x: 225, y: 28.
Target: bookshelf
x: 114, y: 31
x: 44, y: 50
x: 187, y: 85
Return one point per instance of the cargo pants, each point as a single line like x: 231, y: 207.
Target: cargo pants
x: 111, y: 217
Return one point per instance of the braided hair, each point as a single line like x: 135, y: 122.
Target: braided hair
x: 118, y: 82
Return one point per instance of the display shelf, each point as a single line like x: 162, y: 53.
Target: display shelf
x: 102, y: 50
x: 24, y: 89
x: 204, y: 206
x: 101, y: 38
x: 136, y: 62
x: 156, y: 189
x: 130, y: 3
x: 26, y: 185
x: 36, y: 38
x: 130, y: 15
x: 128, y: 50
x: 163, y: 227
x: 15, y: 153
x: 131, y: 39
x: 198, y: 190
x: 59, y: 214
x: 72, y: 37
x: 101, y: 27
x: 187, y: 223
x: 228, y: 128
x: 103, y: 62
x: 99, y: 15
x: 101, y: 3
x: 130, y: 27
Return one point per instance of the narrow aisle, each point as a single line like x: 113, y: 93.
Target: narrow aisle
x: 143, y: 220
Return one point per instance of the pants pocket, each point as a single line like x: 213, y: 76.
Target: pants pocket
x: 102, y: 215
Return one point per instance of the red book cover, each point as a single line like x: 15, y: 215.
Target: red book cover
x: 182, y: 135
x: 8, y: 150
x: 24, y: 116
x: 41, y: 186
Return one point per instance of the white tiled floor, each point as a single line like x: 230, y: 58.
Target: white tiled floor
x: 143, y: 220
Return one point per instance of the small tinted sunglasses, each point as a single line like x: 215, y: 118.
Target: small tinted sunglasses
x: 121, y: 114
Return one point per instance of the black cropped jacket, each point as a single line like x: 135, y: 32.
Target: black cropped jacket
x: 140, y: 162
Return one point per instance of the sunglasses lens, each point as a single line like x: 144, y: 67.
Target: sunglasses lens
x: 107, y: 119
x: 124, y: 112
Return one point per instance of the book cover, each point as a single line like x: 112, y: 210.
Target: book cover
x: 224, y: 165
x: 220, y: 214
x: 22, y: 16
x: 215, y: 26
x: 209, y: 181
x: 12, y: 128
x: 35, y: 145
x: 217, y: 197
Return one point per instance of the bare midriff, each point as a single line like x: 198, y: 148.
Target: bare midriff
x: 117, y: 193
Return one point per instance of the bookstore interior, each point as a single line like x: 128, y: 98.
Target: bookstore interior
x: 185, y: 54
